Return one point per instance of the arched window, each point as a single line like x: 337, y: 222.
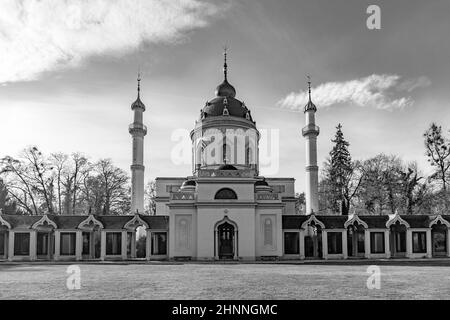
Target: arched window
x: 224, y: 152
x: 225, y: 193
x: 268, y: 232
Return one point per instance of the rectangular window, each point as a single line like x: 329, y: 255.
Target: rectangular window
x: 2, y: 243
x: 419, y: 242
x: 22, y: 244
x: 334, y: 242
x: 159, y: 243
x: 291, y: 245
x: 377, y: 242
x: 42, y: 243
x: 113, y: 243
x: 68, y: 241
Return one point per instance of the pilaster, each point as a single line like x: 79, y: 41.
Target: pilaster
x: 387, y: 247
x: 324, y: 245
x: 33, y: 236
x: 10, y: 245
x: 78, y: 245
x: 367, y: 244
x: 57, y: 244
x: 302, y: 244
x: 124, y: 245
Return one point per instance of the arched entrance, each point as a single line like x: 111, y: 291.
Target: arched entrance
x: 226, y: 240
x: 313, y: 238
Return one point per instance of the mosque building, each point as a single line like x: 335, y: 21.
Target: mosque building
x: 224, y: 210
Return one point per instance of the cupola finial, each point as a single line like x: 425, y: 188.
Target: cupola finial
x: 139, y: 84
x: 309, y: 86
x: 225, y: 66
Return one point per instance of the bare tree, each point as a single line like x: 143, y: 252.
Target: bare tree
x: 41, y: 173
x: 59, y: 161
x: 150, y: 196
x: 438, y: 153
x: 19, y: 184
x: 113, y: 181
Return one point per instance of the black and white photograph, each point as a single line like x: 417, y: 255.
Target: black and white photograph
x: 249, y: 151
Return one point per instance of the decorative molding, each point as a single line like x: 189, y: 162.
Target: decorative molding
x: 44, y: 221
x: 354, y: 218
x: 135, y: 222
x: 5, y: 223
x: 90, y: 222
x: 226, y: 219
x: 441, y: 220
x: 312, y: 218
x: 182, y: 196
x: 394, y: 218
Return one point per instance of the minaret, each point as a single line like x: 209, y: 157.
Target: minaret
x: 310, y: 132
x: 137, y: 130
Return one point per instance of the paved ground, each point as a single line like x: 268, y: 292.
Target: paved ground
x: 225, y: 281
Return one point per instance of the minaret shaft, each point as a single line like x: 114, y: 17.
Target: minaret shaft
x: 137, y: 130
x: 310, y: 132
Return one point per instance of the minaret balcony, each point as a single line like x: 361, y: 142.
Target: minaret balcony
x: 310, y: 129
x: 137, y: 128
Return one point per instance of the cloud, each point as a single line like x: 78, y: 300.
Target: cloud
x: 38, y: 36
x: 374, y: 91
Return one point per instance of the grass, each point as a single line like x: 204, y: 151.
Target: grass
x: 224, y: 281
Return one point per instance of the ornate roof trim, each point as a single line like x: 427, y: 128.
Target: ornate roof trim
x: 312, y: 218
x: 135, y: 222
x: 45, y: 220
x: 90, y: 220
x: 441, y: 220
x: 5, y: 223
x: 394, y: 218
x: 224, y: 220
x: 354, y: 218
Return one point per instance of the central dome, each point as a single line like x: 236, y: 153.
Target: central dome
x: 216, y: 107
x: 225, y: 103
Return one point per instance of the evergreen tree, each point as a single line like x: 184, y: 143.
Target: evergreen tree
x: 339, y: 172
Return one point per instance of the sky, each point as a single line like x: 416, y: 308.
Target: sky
x: 68, y: 74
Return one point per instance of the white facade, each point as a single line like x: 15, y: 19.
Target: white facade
x: 225, y: 210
